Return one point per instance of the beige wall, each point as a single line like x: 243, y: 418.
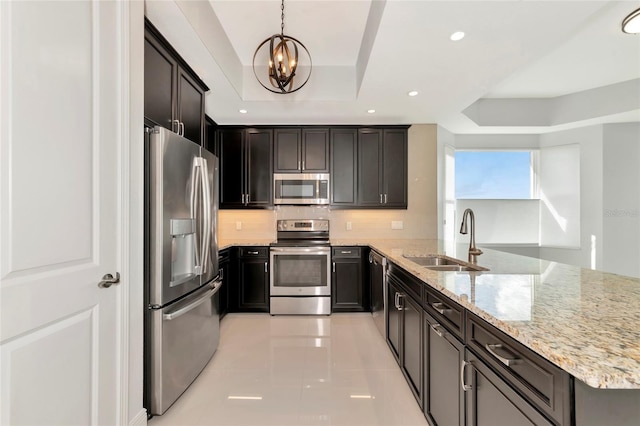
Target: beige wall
x: 419, y: 220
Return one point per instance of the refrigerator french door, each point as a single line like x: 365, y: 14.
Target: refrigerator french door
x: 181, y: 265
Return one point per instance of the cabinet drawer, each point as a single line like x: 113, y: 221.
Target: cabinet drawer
x: 224, y: 255
x: 254, y: 251
x: 346, y: 252
x: 447, y: 312
x: 542, y: 383
x: 410, y: 283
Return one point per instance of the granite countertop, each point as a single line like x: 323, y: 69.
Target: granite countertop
x: 586, y: 322
x: 225, y: 244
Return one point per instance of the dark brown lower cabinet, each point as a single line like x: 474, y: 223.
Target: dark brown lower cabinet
x: 349, y: 292
x: 404, y: 328
x: 224, y: 269
x: 491, y: 401
x: 444, y: 398
x: 253, y: 279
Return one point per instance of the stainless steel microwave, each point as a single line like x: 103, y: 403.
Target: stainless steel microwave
x: 301, y: 188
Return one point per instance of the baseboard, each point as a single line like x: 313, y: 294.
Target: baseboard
x: 140, y: 419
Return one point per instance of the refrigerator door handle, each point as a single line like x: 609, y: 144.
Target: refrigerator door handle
x: 194, y: 203
x: 206, y: 206
x: 215, y: 287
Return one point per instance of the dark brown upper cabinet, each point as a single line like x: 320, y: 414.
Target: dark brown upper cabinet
x: 173, y: 93
x: 344, y: 166
x: 301, y: 150
x: 382, y: 168
x: 246, y: 168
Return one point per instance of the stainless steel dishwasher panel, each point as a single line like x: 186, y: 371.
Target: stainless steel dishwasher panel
x: 378, y: 277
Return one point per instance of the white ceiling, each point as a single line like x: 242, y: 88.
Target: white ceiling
x: 369, y: 54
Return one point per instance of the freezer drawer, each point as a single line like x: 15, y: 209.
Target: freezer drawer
x: 183, y: 338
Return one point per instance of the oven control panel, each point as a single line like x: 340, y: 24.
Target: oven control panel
x: 303, y: 225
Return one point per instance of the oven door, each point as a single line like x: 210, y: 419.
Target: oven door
x: 300, y: 271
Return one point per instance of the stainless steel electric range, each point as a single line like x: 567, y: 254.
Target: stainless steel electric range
x: 300, y: 281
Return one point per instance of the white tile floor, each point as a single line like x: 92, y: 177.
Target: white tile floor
x: 298, y: 370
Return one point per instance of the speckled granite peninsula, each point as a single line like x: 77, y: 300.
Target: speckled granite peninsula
x: 586, y: 322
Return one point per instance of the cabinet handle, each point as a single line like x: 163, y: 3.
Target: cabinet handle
x: 177, y: 122
x: 334, y: 267
x: 221, y: 273
x: 303, y: 166
x: 506, y: 361
x: 345, y: 251
x: 438, y: 329
x: 399, y: 297
x: 266, y: 267
x: 247, y: 198
x: 299, y: 168
x: 242, y: 198
x: 370, y: 258
x: 385, y: 198
x: 465, y: 387
x: 380, y: 198
x: 252, y: 252
x: 181, y: 128
x: 439, y: 306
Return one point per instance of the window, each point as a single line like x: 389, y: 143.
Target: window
x: 495, y: 174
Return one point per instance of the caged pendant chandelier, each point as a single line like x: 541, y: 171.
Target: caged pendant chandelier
x: 285, y: 74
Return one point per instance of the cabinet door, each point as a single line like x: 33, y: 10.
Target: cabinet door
x: 394, y: 318
x: 190, y: 107
x: 394, y: 168
x: 344, y: 161
x: 315, y: 150
x: 253, y: 285
x: 491, y: 401
x: 287, y: 151
x: 369, y: 167
x: 412, y: 345
x: 443, y: 355
x: 160, y: 70
x: 346, y: 293
x: 224, y: 269
x: 259, y: 168
x: 231, y: 151
x: 210, y: 136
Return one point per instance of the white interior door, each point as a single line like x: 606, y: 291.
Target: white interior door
x: 60, y: 89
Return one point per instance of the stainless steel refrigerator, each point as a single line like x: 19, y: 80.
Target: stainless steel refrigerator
x: 181, y: 265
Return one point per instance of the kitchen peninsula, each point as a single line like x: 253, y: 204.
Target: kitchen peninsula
x: 585, y: 322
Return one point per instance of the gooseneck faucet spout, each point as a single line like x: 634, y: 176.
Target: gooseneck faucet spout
x: 473, y: 250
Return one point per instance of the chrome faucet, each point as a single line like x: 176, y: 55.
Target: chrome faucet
x: 473, y: 250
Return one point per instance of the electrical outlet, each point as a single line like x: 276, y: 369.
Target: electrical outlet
x: 348, y: 226
x: 397, y: 224
x: 238, y: 226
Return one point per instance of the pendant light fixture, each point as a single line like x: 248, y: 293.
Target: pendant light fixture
x: 631, y: 24
x: 277, y: 64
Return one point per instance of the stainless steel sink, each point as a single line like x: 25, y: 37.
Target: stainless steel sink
x: 443, y: 263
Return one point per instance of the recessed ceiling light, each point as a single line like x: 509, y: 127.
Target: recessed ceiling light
x: 631, y: 24
x: 458, y: 35
x: 413, y: 93
x: 242, y: 111
x: 371, y: 111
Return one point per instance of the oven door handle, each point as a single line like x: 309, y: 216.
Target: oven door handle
x: 303, y: 250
